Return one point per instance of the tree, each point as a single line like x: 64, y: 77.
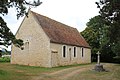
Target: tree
x: 96, y: 35
x: 6, y: 36
x: 110, y: 12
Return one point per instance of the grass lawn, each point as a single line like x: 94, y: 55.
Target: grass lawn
x: 19, y: 72
x: 113, y: 73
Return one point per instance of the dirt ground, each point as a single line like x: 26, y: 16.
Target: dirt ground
x: 66, y: 74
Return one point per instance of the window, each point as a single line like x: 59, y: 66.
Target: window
x: 74, y: 51
x: 82, y: 51
x: 64, y: 51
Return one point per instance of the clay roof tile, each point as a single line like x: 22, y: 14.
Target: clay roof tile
x: 60, y: 33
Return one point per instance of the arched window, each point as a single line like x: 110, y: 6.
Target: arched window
x: 74, y: 51
x: 82, y: 52
x: 64, y: 51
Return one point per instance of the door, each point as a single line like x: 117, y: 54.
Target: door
x: 54, y: 59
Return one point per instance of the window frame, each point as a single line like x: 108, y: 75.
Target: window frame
x: 74, y: 51
x: 64, y: 54
x: 82, y: 51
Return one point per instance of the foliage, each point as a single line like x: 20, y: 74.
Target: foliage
x: 6, y: 36
x: 110, y: 12
x: 6, y: 52
x: 96, y: 35
x: 103, y: 31
x: 5, y: 59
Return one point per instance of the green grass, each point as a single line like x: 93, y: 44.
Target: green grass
x: 113, y: 73
x: 20, y: 72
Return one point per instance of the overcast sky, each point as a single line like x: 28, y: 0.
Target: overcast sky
x: 75, y: 13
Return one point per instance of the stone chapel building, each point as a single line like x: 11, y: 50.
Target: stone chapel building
x: 48, y: 43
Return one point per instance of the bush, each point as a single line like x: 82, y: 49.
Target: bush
x: 5, y: 59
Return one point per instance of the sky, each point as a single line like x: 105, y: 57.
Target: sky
x: 75, y: 13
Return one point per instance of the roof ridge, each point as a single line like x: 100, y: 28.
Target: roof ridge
x: 59, y: 32
x: 53, y: 20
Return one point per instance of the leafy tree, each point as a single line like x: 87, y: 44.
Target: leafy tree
x: 6, y: 36
x: 96, y: 35
x: 106, y: 27
x: 110, y: 12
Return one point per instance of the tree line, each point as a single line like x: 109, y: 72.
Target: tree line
x: 103, y: 31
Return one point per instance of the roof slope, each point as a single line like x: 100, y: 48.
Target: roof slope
x: 60, y: 33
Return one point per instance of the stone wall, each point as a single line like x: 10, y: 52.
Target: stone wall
x: 36, y: 50
x: 58, y: 59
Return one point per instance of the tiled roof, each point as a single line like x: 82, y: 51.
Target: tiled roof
x: 60, y: 33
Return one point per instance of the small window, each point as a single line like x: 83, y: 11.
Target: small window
x: 74, y: 51
x: 82, y: 51
x: 64, y: 51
